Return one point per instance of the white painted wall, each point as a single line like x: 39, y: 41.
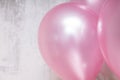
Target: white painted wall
x: 20, y: 58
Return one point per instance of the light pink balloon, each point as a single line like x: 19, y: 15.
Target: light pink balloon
x: 109, y: 34
x: 68, y: 42
x: 95, y: 5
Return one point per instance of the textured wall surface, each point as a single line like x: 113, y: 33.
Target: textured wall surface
x: 20, y: 58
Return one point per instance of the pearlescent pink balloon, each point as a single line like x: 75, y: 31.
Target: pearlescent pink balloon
x: 109, y: 34
x: 68, y: 42
x: 95, y: 5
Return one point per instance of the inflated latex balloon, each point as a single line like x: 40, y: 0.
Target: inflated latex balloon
x: 95, y: 5
x: 109, y: 34
x: 68, y: 42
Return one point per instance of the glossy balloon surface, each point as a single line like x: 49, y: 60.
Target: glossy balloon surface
x: 68, y: 42
x: 109, y: 34
x: 95, y: 5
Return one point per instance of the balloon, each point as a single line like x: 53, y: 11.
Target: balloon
x: 68, y: 42
x: 95, y: 5
x: 109, y: 32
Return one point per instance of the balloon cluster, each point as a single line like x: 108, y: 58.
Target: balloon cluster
x: 76, y: 37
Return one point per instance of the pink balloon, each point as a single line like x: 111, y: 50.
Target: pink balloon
x: 68, y: 42
x: 95, y: 5
x: 109, y: 32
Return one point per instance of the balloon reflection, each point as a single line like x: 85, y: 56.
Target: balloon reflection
x: 78, y: 65
x: 72, y: 25
x: 99, y: 26
x: 92, y: 2
x: 95, y: 5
